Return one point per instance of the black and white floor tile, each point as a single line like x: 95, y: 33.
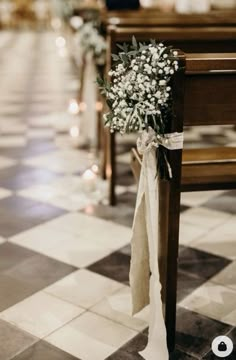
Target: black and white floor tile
x: 64, y: 253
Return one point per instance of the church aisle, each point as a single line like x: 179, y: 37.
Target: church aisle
x: 64, y: 253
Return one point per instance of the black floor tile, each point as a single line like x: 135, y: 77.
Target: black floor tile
x: 33, y: 148
x: 24, y: 272
x: 120, y: 214
x: 184, y: 208
x: 200, y: 263
x: 128, y: 199
x: 187, y: 284
x: 21, y: 176
x: 40, y: 271
x: 225, y: 202
x: 13, y: 340
x: 13, y: 291
x: 195, y: 333
x: 180, y: 355
x: 18, y: 214
x: 232, y: 356
x: 130, y: 351
x: 115, y: 266
x: 12, y: 255
x: 44, y: 351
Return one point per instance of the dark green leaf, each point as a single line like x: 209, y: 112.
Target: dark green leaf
x: 134, y: 42
x: 120, y: 47
x: 115, y: 57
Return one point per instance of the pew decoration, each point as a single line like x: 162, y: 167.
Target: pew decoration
x: 90, y: 55
x: 140, y: 100
x: 139, y: 94
x: 91, y: 41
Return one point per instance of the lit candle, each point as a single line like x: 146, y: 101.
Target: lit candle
x: 89, y: 180
x: 83, y: 106
x: 73, y: 107
x: 99, y: 106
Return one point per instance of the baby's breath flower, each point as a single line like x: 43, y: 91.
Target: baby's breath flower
x: 162, y: 82
x: 139, y: 88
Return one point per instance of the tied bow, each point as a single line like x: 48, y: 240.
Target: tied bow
x: 149, y: 139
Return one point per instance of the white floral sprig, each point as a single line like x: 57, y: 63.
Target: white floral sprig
x: 139, y: 93
x: 90, y: 39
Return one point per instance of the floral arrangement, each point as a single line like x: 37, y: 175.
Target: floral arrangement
x: 139, y: 92
x: 90, y: 39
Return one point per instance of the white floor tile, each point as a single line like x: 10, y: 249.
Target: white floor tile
x: 6, y: 162
x: 91, y: 337
x: 12, y: 141
x: 197, y: 198
x: 12, y: 127
x: 220, y: 241
x: 2, y: 240
x: 100, y: 232
x: 4, y: 193
x: 40, y: 133
x: 118, y: 307
x: 189, y: 233
x: 63, y: 245
x: 68, y: 193
x: 84, y: 288
x: 227, y: 276
x: 64, y: 161
x: 214, y: 301
x: 40, y: 314
x: 203, y: 217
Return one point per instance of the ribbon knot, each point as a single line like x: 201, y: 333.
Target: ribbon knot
x: 149, y: 139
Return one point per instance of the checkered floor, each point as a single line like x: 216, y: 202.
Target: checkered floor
x: 64, y: 254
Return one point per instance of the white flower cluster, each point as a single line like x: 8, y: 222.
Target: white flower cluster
x: 140, y: 94
x: 89, y: 39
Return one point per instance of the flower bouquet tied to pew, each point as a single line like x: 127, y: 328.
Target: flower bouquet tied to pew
x: 139, y: 93
x: 139, y: 96
x: 91, y: 41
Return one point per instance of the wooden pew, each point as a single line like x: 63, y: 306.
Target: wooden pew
x: 195, y: 104
x: 188, y: 39
x: 154, y: 17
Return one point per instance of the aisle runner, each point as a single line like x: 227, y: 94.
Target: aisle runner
x: 144, y: 243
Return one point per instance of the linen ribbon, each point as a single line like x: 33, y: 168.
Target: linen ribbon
x: 88, y: 118
x: 146, y: 289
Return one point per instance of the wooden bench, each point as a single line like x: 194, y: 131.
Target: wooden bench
x: 154, y: 17
x: 189, y: 39
x: 195, y: 104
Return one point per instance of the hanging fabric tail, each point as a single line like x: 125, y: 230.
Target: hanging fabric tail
x: 88, y: 118
x: 144, y: 243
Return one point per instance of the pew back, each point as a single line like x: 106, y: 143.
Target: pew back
x: 154, y: 17
x: 188, y: 39
x: 210, y: 82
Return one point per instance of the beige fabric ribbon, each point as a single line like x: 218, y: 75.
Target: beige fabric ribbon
x: 88, y: 118
x: 146, y: 289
